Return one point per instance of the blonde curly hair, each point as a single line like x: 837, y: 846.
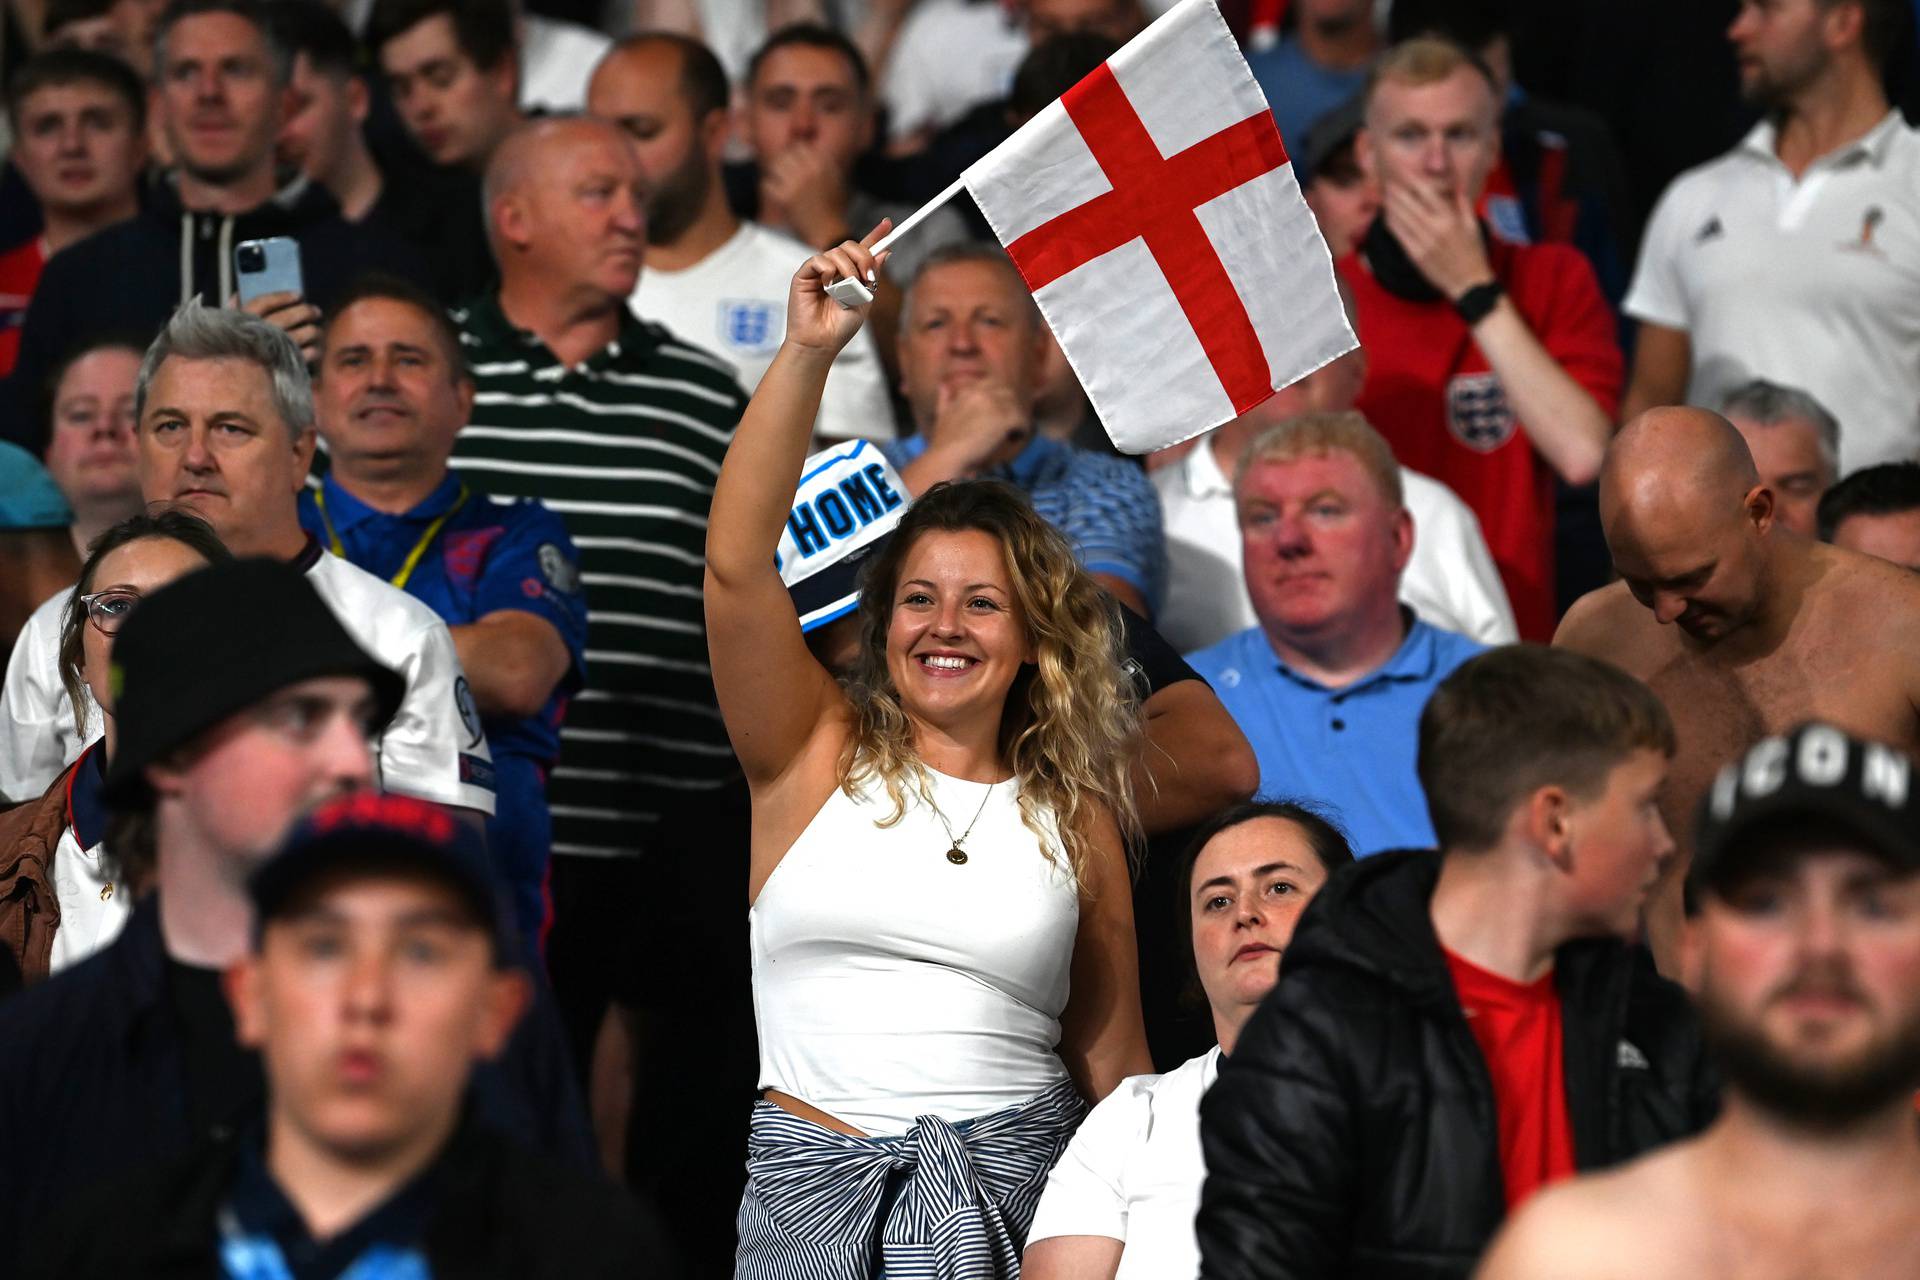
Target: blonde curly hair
x: 1072, y: 717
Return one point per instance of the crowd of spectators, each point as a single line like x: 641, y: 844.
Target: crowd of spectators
x: 534, y: 742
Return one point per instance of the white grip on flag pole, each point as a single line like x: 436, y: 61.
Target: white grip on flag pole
x: 851, y: 292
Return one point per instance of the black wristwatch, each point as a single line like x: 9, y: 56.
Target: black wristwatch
x: 1476, y: 303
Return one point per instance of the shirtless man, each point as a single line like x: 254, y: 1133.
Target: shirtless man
x: 1806, y: 959
x: 1741, y: 627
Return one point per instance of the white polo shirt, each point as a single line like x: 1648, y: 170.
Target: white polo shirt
x: 1450, y: 581
x: 1133, y: 1173
x: 434, y: 748
x: 733, y: 302
x: 1814, y: 284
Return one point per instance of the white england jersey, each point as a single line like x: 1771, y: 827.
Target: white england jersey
x: 434, y: 748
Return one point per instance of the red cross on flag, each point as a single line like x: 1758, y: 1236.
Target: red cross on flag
x: 1154, y: 214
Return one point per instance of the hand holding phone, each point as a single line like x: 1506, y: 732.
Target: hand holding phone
x: 267, y: 266
x: 270, y: 286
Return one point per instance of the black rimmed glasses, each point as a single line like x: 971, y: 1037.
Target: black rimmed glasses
x: 108, y: 609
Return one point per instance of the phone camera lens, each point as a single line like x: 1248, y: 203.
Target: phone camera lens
x: 252, y: 258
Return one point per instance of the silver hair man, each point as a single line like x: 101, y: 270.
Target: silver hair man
x: 196, y: 332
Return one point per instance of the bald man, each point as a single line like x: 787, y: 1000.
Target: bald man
x: 620, y: 427
x: 1743, y: 628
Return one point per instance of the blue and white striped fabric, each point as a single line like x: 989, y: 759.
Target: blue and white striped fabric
x: 943, y: 1202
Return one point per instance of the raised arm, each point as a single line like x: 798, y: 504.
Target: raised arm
x: 1564, y: 421
x: 772, y: 692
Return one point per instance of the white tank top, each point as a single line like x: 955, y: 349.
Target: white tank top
x: 889, y: 983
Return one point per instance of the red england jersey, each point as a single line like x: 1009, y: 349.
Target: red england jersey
x: 1519, y: 1032
x: 1435, y: 398
x: 19, y: 273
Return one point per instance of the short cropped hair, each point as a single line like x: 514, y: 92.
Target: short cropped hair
x: 60, y: 67
x: 1522, y: 717
x: 1425, y: 60
x: 196, y: 332
x: 279, y: 60
x: 314, y: 28
x: 483, y: 29
x: 984, y: 252
x: 1769, y: 404
x: 1316, y: 434
x: 1882, y: 24
x: 1890, y: 489
x: 813, y: 35
x: 703, y: 81
x: 375, y: 285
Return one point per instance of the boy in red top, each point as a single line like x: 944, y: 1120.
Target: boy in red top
x: 79, y: 128
x: 1453, y: 1030
x: 1490, y: 366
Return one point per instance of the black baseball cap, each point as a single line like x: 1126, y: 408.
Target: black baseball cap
x: 1819, y: 778
x: 214, y: 643
x: 369, y: 831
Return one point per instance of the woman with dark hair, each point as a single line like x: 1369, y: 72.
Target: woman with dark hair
x: 937, y: 849
x: 60, y: 898
x: 1121, y: 1202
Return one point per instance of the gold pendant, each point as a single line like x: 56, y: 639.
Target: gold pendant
x: 957, y: 856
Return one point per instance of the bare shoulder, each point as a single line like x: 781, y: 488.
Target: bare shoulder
x: 1607, y: 623
x: 1604, y: 1226
x: 1856, y: 581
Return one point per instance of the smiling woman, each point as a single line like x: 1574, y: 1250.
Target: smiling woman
x: 937, y: 851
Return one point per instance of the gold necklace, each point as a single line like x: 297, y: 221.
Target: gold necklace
x: 955, y: 854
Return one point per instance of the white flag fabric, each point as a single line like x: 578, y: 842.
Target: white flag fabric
x: 1154, y: 214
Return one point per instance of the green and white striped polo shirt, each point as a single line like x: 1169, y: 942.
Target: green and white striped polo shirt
x: 626, y: 447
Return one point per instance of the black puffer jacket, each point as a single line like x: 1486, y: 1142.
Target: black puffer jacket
x: 1353, y: 1132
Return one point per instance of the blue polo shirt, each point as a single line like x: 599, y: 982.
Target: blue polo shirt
x: 487, y: 557
x: 1106, y: 506
x: 1351, y: 748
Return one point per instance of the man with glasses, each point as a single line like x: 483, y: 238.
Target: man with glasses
x: 225, y: 430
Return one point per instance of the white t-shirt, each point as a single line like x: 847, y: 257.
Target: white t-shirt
x: 1812, y: 283
x: 1133, y: 1172
x: 556, y: 61
x: 950, y: 56
x: 1450, y: 581
x: 434, y: 748
x: 734, y: 302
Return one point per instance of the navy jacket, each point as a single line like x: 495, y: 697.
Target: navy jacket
x: 93, y: 1082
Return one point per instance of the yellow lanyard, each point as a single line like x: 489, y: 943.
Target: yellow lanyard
x: 412, y: 561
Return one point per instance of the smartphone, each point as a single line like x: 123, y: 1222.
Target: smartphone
x: 267, y: 266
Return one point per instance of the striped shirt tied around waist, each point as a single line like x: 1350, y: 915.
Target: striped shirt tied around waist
x: 942, y: 1202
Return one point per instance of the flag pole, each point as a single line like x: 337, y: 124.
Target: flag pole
x: 855, y: 293
x: 920, y: 215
